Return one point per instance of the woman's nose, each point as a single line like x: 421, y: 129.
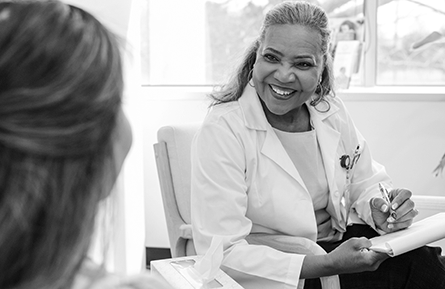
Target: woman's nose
x: 285, y: 74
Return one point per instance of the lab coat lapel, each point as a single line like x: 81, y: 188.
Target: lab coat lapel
x: 328, y: 139
x: 272, y: 148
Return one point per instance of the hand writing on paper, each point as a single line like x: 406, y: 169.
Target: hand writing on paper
x: 400, y: 205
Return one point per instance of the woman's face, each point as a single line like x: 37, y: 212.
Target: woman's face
x: 288, y: 67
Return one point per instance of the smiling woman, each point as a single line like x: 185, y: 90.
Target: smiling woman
x: 266, y: 162
x: 286, y: 73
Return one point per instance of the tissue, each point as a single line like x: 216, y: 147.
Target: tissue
x: 209, y: 264
x: 196, y: 272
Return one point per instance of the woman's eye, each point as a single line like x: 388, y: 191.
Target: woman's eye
x: 270, y: 58
x: 304, y: 65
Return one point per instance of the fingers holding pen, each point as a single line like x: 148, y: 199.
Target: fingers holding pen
x: 380, y: 213
x: 402, y: 209
x: 396, y: 212
x: 380, y: 204
x: 399, y: 196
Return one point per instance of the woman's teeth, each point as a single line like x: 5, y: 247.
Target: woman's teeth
x: 280, y: 91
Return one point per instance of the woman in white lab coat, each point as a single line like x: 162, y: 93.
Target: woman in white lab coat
x: 278, y: 154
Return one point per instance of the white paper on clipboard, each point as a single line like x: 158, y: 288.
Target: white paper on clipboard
x: 417, y: 235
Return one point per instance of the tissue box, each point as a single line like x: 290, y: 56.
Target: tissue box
x: 177, y: 272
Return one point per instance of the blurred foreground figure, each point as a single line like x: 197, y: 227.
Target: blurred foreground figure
x: 63, y: 139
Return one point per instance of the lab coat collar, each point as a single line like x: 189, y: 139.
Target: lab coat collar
x: 271, y: 147
x: 254, y: 116
x: 329, y: 138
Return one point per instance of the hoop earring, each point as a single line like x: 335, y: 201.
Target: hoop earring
x: 315, y: 101
x: 249, y: 77
x: 320, y: 92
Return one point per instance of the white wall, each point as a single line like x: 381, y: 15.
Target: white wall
x: 408, y: 137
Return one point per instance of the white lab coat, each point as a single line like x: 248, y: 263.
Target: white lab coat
x: 244, y: 182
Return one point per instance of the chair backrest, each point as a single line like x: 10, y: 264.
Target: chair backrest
x: 172, y: 152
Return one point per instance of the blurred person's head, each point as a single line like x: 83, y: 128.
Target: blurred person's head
x: 63, y: 138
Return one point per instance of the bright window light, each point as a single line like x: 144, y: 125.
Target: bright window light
x: 198, y: 43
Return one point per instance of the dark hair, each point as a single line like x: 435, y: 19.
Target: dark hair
x: 301, y: 13
x: 60, y: 94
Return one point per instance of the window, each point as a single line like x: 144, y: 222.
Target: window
x: 405, y: 55
x: 200, y: 42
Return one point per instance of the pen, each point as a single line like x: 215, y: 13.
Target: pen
x: 385, y: 196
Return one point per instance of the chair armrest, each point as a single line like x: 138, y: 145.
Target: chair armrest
x: 429, y: 202
x: 186, y: 231
x: 428, y: 205
x: 294, y: 245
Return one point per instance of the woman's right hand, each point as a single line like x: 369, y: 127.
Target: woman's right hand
x: 354, y: 256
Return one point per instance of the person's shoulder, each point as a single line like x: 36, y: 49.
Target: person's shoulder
x: 333, y: 111
x: 333, y: 105
x: 338, y: 114
x: 330, y: 104
x: 336, y: 101
x: 223, y: 112
x: 222, y: 109
x: 223, y: 121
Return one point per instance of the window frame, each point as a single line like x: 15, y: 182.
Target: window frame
x: 368, y: 91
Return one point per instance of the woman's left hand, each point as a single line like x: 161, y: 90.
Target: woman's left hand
x: 397, y: 215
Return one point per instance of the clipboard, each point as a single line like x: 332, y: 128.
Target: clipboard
x: 420, y: 233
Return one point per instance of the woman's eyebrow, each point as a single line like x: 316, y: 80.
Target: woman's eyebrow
x: 295, y: 57
x: 274, y: 51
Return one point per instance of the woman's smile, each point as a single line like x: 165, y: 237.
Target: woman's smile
x: 288, y: 67
x: 281, y: 92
